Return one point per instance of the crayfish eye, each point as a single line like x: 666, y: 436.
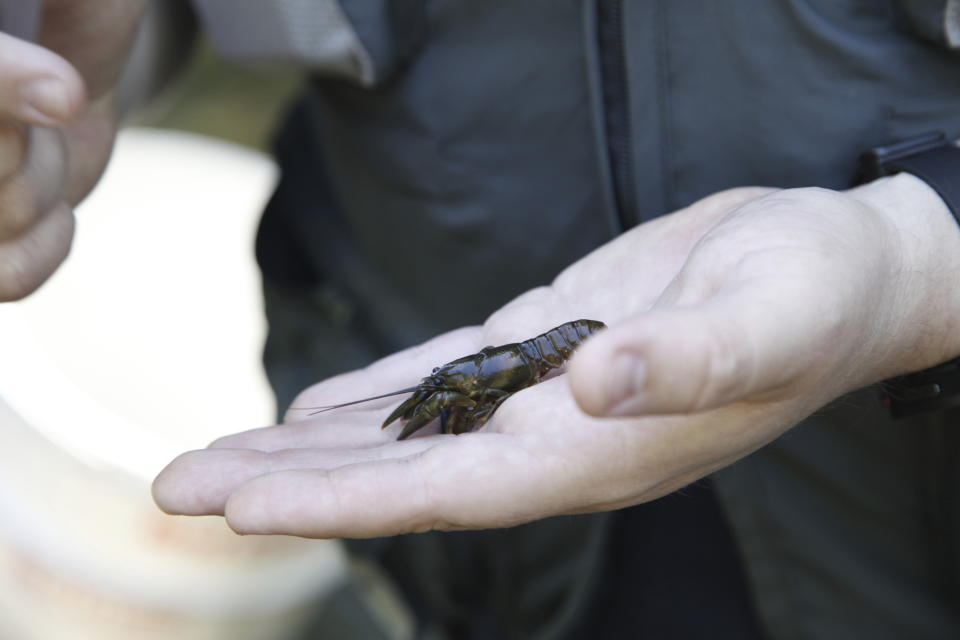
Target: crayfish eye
x: 435, y: 369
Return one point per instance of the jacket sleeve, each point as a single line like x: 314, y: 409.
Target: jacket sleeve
x: 313, y: 33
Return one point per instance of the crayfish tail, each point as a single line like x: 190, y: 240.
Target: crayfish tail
x: 552, y: 349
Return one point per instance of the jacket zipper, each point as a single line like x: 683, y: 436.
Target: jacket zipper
x: 616, y: 105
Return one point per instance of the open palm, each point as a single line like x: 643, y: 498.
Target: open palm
x: 730, y: 321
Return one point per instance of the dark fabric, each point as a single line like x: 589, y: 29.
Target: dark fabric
x: 480, y: 165
x: 926, y: 18
x: 671, y: 571
x: 849, y: 524
x: 784, y: 93
x: 447, y: 172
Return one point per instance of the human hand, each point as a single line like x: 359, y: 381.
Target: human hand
x: 57, y: 125
x: 744, y: 313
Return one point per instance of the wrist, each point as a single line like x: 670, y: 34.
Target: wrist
x: 922, y: 309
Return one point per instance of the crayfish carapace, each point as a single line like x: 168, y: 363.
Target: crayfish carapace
x: 465, y: 393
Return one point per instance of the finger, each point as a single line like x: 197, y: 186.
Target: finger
x: 91, y: 139
x: 683, y: 360
x: 461, y: 483
x: 35, y: 187
x: 27, y: 262
x: 484, y: 480
x: 13, y: 148
x: 36, y: 85
x: 476, y: 481
x: 351, y: 429
x: 199, y: 482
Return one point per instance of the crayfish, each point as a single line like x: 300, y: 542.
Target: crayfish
x: 465, y: 393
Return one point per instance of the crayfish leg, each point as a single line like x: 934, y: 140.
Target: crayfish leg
x: 456, y: 420
x: 486, y: 409
x: 445, y: 420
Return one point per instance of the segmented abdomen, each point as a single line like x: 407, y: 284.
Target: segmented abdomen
x: 551, y: 349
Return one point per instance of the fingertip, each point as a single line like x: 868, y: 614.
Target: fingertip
x: 241, y: 514
x: 244, y: 516
x: 652, y: 364
x: 253, y: 507
x: 199, y: 482
x: 582, y: 374
x: 29, y: 261
x: 164, y: 488
x: 608, y: 370
x: 51, y: 100
x: 673, y: 361
x: 37, y: 86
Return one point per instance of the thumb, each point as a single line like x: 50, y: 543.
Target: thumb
x: 683, y: 360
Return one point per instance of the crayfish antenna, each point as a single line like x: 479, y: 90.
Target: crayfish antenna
x: 316, y: 410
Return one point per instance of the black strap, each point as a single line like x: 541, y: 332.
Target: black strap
x: 933, y: 389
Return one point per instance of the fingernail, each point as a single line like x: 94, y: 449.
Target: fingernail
x: 48, y: 98
x: 628, y: 380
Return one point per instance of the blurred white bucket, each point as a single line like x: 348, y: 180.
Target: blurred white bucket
x: 145, y: 344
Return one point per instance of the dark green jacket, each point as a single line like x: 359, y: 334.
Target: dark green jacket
x: 496, y: 142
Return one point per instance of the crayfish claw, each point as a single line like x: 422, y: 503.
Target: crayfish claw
x: 414, y: 424
x: 445, y: 404
x: 407, y: 407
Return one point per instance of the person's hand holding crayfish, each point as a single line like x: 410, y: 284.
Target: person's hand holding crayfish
x: 729, y: 322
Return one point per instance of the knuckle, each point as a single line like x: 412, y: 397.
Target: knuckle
x: 726, y: 370
x: 27, y: 262
x: 13, y: 148
x: 18, y: 208
x: 714, y: 373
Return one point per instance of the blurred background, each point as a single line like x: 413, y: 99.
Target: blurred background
x: 145, y: 344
